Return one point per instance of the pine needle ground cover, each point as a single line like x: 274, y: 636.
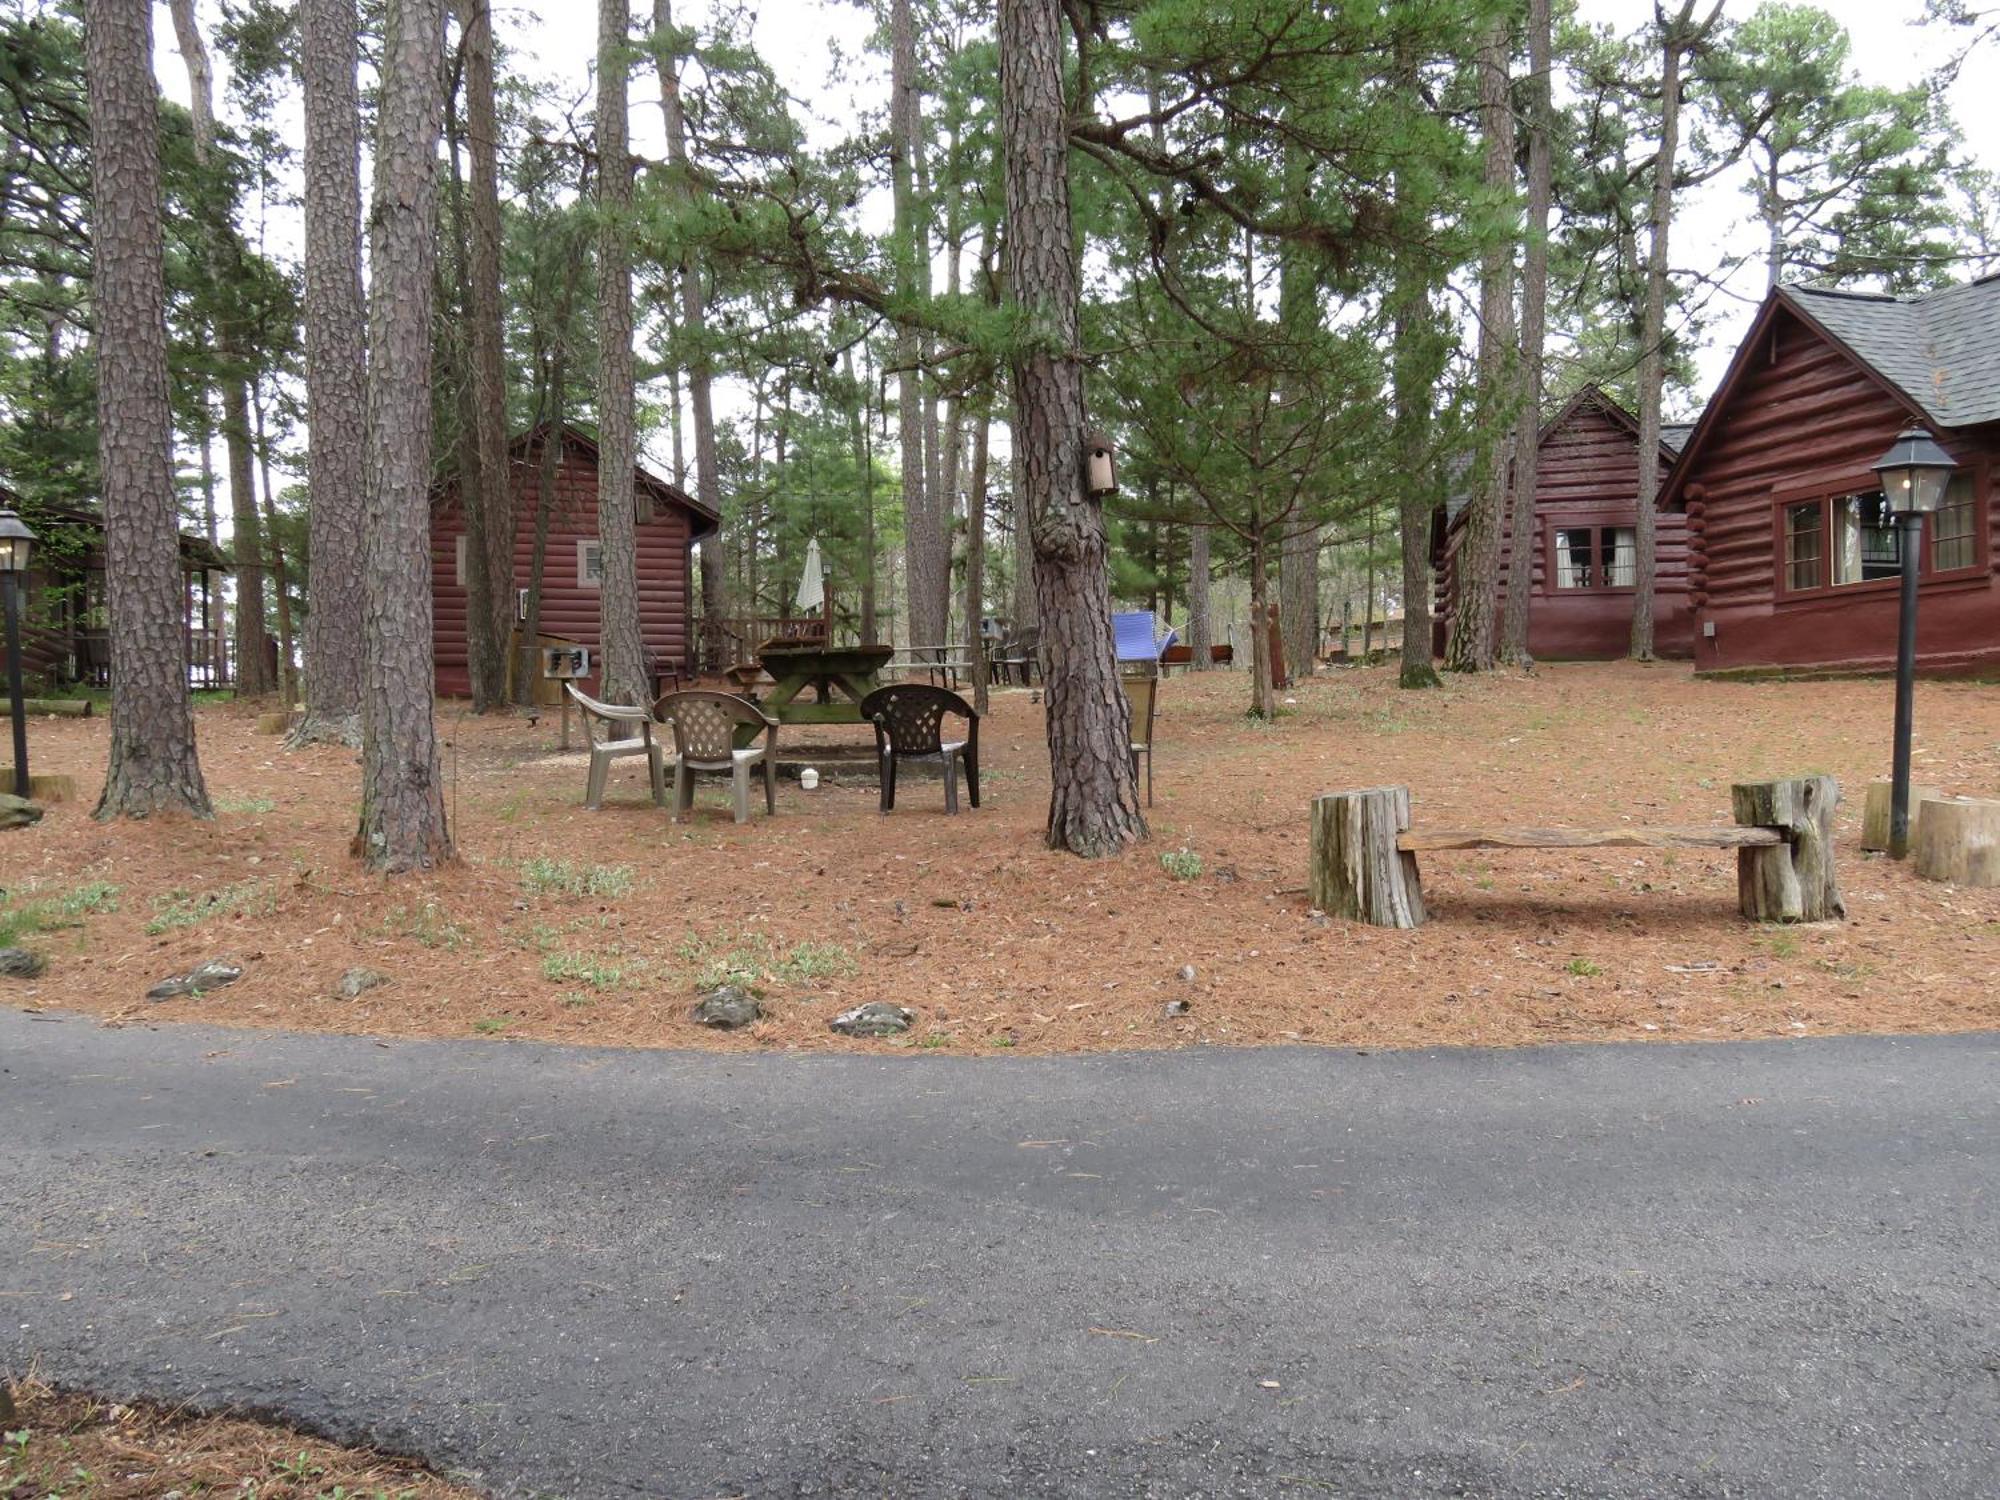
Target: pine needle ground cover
x: 603, y: 928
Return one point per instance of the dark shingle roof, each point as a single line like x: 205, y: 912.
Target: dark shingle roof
x: 1674, y: 435
x: 1941, y: 350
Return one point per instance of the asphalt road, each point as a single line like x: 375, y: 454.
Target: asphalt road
x: 1766, y: 1269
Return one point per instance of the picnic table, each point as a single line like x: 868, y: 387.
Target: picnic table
x: 839, y: 676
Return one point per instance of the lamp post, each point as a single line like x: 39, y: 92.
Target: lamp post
x: 16, y: 542
x: 1914, y: 473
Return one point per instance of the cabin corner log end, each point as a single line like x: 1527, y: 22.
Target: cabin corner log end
x: 1793, y: 881
x: 1357, y: 871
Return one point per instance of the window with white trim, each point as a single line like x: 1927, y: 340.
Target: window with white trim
x: 589, y: 562
x: 1596, y: 557
x: 458, y: 560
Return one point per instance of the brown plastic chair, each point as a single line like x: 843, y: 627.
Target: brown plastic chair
x: 704, y: 725
x: 1142, y: 690
x: 600, y: 722
x: 909, y: 725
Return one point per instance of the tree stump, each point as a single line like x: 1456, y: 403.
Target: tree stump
x: 1357, y: 871
x: 1875, y: 813
x: 273, y: 723
x: 1793, y: 881
x: 1959, y: 841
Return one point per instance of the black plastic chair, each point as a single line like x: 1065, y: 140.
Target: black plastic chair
x: 909, y: 725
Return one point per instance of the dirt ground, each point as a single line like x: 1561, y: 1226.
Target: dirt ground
x: 64, y: 1445
x: 598, y: 927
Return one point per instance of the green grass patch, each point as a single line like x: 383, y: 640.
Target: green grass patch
x: 179, y: 908
x: 753, y: 959
x: 53, y: 913
x: 1582, y: 968
x: 245, y: 804
x: 426, y: 923
x: 1182, y: 864
x: 490, y: 1025
x: 543, y: 876
x: 599, y: 972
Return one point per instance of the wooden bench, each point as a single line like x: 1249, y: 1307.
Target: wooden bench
x: 1222, y: 655
x: 1364, y: 851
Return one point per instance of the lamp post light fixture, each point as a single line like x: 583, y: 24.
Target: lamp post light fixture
x: 1914, y: 474
x: 16, y: 543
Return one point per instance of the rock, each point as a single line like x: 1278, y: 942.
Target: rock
x: 211, y: 974
x: 876, y: 1018
x: 355, y: 981
x: 1176, y: 1008
x: 727, y: 1007
x: 20, y: 963
x: 1187, y: 973
x: 18, y: 812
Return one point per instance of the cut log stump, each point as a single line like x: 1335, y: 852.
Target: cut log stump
x: 44, y: 786
x: 1958, y: 841
x: 1875, y: 813
x: 1792, y: 881
x: 65, y: 708
x: 273, y: 723
x: 1357, y: 871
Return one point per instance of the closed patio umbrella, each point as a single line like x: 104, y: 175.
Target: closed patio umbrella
x: 812, y: 587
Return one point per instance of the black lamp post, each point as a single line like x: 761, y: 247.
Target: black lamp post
x: 1914, y: 473
x: 16, y: 542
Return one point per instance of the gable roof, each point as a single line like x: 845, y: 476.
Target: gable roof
x: 1941, y: 351
x: 706, y: 520
x: 1672, y: 436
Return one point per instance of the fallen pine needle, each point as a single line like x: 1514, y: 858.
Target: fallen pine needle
x: 1126, y: 1333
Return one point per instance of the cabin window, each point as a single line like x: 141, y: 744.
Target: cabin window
x: 589, y: 563
x: 1866, y: 542
x: 1953, y: 527
x: 1596, y: 557
x: 1802, y: 547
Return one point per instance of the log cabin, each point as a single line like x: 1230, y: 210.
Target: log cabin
x: 1795, y: 562
x: 670, y: 522
x: 1586, y: 519
x: 65, y: 620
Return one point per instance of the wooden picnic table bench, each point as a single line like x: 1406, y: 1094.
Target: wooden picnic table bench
x: 1364, y: 851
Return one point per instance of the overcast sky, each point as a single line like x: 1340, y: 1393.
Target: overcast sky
x: 818, y: 51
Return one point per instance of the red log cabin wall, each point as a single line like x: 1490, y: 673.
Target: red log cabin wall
x: 569, y: 603
x: 1589, y: 480
x: 1804, y: 423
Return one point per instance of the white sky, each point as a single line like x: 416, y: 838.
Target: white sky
x: 817, y: 50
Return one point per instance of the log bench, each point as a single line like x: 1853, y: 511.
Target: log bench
x: 1364, y: 851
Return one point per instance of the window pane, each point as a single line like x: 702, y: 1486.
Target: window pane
x: 1802, y: 546
x: 1866, y: 541
x: 1952, y: 527
x: 1621, y: 551
x: 1573, y: 558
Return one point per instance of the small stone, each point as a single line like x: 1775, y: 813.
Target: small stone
x: 20, y: 963
x: 211, y: 974
x: 876, y: 1018
x: 18, y: 812
x: 1176, y: 1008
x: 1187, y: 973
x: 727, y: 1007
x: 355, y: 981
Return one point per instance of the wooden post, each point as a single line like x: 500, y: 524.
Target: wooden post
x: 1357, y: 871
x: 1793, y: 881
x: 1958, y: 840
x: 1875, y: 813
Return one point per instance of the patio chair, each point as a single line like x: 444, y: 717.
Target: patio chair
x: 1018, y: 655
x: 633, y: 728
x: 704, y: 726
x: 909, y: 725
x: 1142, y: 691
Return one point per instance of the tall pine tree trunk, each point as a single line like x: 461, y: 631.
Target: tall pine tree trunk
x: 153, y: 766
x: 1093, y: 793
x: 1477, y: 567
x: 1200, y: 614
x: 864, y: 470
x: 336, y: 356
x: 402, y: 791
x: 495, y: 498
x: 281, y: 583
x: 1417, y: 360
x: 694, y: 318
x: 1522, y: 529
x: 621, y: 638
x: 924, y: 543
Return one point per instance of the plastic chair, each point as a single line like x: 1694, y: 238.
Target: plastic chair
x: 704, y: 725
x: 610, y: 717
x: 1142, y: 691
x: 909, y: 725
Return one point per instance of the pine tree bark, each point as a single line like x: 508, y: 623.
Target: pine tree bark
x: 694, y: 318
x: 1522, y: 528
x: 482, y: 651
x: 864, y: 469
x: 1417, y: 359
x: 1093, y: 795
x: 281, y: 583
x: 402, y: 793
x: 1200, y: 613
x: 1471, y: 647
x: 153, y: 766
x: 624, y: 678
x: 924, y: 544
x: 336, y: 359
x: 489, y: 379
x: 975, y: 555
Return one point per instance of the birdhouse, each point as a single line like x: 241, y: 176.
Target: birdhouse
x: 1101, y: 472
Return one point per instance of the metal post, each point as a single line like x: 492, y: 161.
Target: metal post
x: 13, y: 589
x: 1906, y: 690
